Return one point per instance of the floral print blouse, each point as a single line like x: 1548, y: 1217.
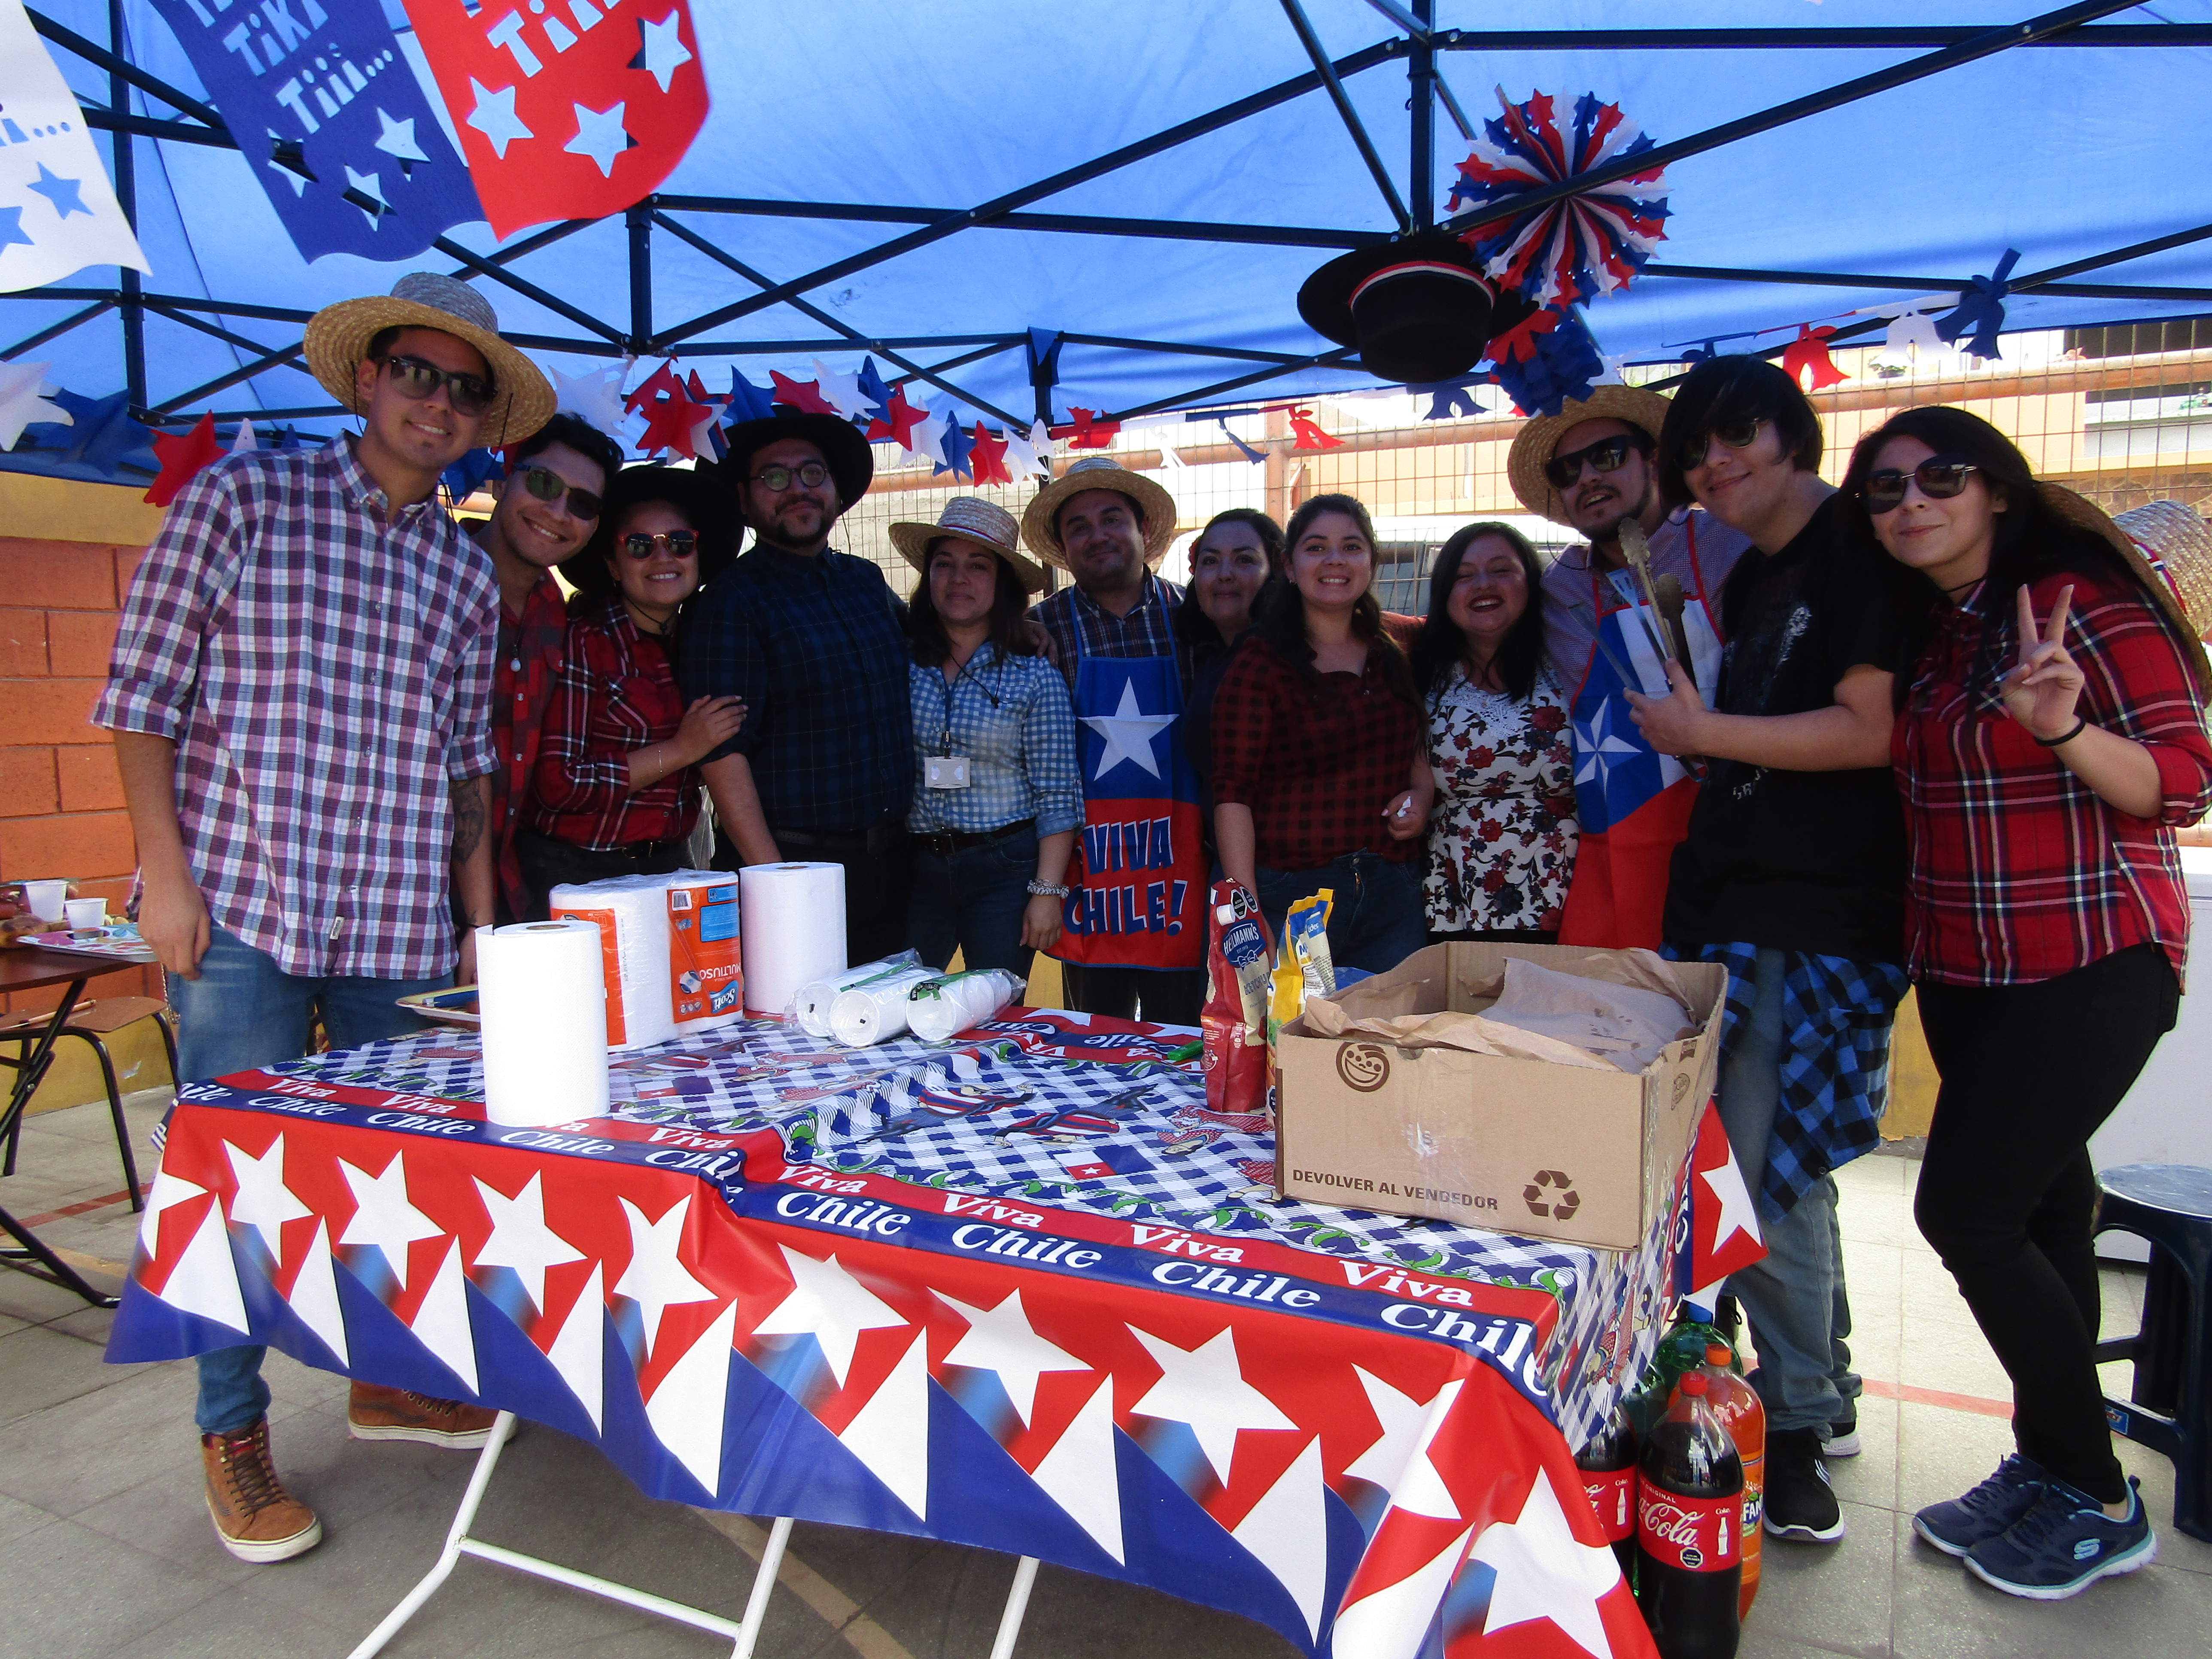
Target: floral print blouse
x: 1502, y: 836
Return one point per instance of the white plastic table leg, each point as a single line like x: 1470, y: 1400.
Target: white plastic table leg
x: 1017, y: 1604
x: 771, y: 1563
x: 479, y: 1478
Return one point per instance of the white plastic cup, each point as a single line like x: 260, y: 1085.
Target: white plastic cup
x: 85, y: 913
x: 47, y: 899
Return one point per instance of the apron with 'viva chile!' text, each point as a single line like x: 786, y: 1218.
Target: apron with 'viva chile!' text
x: 1137, y: 884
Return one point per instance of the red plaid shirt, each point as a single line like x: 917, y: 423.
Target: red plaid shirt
x: 615, y: 693
x: 530, y: 652
x: 2018, y: 870
x: 1315, y: 765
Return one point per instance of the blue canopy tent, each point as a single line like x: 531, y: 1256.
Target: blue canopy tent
x: 1151, y: 181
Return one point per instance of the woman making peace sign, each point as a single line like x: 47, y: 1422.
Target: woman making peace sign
x: 2051, y: 739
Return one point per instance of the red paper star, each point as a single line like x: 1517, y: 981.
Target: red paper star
x: 1809, y: 354
x: 801, y: 394
x: 673, y: 422
x: 988, y: 460
x: 1090, y: 429
x: 182, y: 456
x: 1309, y: 435
x: 904, y: 417
x: 662, y: 383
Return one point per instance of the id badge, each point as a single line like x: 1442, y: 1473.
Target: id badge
x: 945, y: 771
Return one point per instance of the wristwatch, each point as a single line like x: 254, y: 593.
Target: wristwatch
x: 1047, y: 890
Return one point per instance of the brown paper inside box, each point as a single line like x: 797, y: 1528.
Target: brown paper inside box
x: 1402, y: 1096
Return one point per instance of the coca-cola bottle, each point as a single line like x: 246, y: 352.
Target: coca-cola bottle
x: 1689, y: 1530
x: 1609, y: 1466
x: 1737, y: 1403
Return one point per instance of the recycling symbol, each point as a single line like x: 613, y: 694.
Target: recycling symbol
x: 1545, y: 1182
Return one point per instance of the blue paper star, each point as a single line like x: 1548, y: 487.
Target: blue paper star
x: 11, y: 227
x: 61, y: 192
x: 102, y: 441
x: 748, y: 402
x: 874, y: 389
x: 957, y: 443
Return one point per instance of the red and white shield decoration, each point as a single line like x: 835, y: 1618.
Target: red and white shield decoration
x: 566, y: 109
x: 1724, y: 1232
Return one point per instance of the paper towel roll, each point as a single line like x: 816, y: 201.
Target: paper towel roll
x: 795, y: 929
x: 632, y: 914
x: 937, y: 1008
x: 810, y: 1007
x: 875, y: 1012
x: 542, y: 995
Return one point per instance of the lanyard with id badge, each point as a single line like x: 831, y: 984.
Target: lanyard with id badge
x: 945, y: 769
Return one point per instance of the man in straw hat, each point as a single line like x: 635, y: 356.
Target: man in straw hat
x: 811, y: 639
x: 1136, y: 920
x: 1592, y: 467
x: 299, y: 694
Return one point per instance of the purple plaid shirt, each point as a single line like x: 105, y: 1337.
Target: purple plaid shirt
x: 325, y: 669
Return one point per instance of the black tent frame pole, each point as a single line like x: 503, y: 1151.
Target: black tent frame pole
x: 1421, y: 71
x: 1348, y: 115
x: 122, y: 145
x: 74, y: 318
x: 639, y: 219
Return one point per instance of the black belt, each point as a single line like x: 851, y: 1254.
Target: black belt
x: 959, y: 840
x: 877, y: 838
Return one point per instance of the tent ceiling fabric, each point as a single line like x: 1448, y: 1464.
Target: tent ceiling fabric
x: 2065, y: 152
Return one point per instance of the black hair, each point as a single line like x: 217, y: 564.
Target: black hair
x: 381, y: 341
x: 1192, y: 626
x: 1282, y: 619
x: 1442, y: 642
x: 1010, y: 604
x: 570, y: 431
x: 1721, y: 390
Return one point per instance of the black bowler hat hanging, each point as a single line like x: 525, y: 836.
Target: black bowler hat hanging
x: 1417, y: 308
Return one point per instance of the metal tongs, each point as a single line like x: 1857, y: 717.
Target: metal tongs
x: 1670, y: 641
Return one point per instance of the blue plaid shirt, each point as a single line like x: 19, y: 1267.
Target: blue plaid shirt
x: 1011, y: 717
x: 814, y: 646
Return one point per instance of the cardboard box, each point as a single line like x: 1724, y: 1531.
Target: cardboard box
x: 1486, y: 1140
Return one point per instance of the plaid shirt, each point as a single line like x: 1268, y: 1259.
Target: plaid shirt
x: 1317, y: 766
x: 1081, y: 627
x: 530, y: 650
x: 2019, y: 871
x: 324, y: 668
x: 813, y: 643
x: 1011, y: 718
x: 615, y: 694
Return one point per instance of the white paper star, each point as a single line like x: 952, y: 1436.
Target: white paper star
x: 829, y: 1304
x: 843, y: 390
x: 383, y: 1216
x: 1545, y: 1572
x: 596, y: 394
x: 1002, y: 1339
x: 599, y: 135
x: 1205, y: 1387
x: 664, y: 51
x: 396, y: 138
x: 927, y: 438
x: 1737, y: 1214
x: 1128, y: 732
x: 494, y: 117
x: 656, y: 1279
x: 371, y: 186
x: 1596, y: 747
x: 246, y: 440
x: 521, y: 1240
x: 20, y: 403
x: 1022, y: 458
x: 264, y: 1203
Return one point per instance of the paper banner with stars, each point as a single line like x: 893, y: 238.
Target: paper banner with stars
x: 57, y: 214
x: 566, y: 109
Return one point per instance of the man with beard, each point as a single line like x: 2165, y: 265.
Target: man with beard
x: 1591, y: 468
x: 811, y: 639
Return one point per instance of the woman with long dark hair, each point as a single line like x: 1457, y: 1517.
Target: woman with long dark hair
x: 1318, y: 771
x: 1235, y: 561
x: 1501, y: 837
x: 2051, y: 739
x: 997, y: 791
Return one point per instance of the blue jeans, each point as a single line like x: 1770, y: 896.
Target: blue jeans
x: 1376, y: 917
x: 973, y: 901
x: 245, y: 1011
x: 1794, y: 1297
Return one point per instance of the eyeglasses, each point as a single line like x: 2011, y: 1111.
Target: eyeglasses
x: 1736, y: 435
x: 1940, y: 478
x: 469, y: 394
x: 548, y: 486
x: 680, y: 544
x: 810, y: 474
x: 1606, y: 455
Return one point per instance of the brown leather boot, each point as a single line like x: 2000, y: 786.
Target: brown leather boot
x: 376, y: 1412
x: 255, y: 1518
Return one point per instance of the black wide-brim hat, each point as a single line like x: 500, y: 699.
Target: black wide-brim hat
x: 693, y: 491
x: 851, y: 464
x: 1417, y: 308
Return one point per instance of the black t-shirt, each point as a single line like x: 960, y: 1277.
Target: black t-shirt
x: 1811, y: 861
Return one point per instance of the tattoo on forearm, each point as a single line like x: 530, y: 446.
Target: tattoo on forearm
x: 469, y: 816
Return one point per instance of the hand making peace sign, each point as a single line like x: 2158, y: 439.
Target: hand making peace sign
x: 2044, y: 685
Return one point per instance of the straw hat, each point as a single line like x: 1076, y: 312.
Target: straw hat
x: 1041, y: 528
x: 978, y: 520
x: 1418, y: 309
x: 1540, y: 439
x: 2164, y: 542
x: 338, y: 337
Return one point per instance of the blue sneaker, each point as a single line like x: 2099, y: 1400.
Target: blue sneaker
x: 2064, y: 1543
x: 1956, y: 1526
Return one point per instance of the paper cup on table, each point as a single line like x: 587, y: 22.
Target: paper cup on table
x: 542, y: 994
x: 936, y: 1009
x: 810, y: 1007
x: 795, y: 929
x: 631, y: 913
x: 47, y: 899
x: 85, y: 913
x: 875, y: 1011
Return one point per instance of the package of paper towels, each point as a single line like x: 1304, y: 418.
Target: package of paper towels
x: 542, y: 994
x: 938, y: 1008
x: 707, y: 981
x: 632, y: 915
x: 874, y: 1011
x: 794, y: 921
x: 810, y: 1007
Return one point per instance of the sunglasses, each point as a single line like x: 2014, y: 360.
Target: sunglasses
x: 681, y: 543
x: 1606, y: 455
x: 1940, y: 478
x: 548, y: 486
x: 1736, y: 435
x: 469, y: 394
x: 811, y: 474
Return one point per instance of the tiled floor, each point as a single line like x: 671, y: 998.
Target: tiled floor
x: 109, y: 1551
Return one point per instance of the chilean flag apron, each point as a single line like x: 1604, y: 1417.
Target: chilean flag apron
x: 1137, y: 884
x: 1632, y: 803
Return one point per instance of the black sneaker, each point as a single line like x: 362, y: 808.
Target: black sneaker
x: 2064, y: 1543
x: 1800, y: 1504
x: 1956, y: 1526
x: 1843, y: 1434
